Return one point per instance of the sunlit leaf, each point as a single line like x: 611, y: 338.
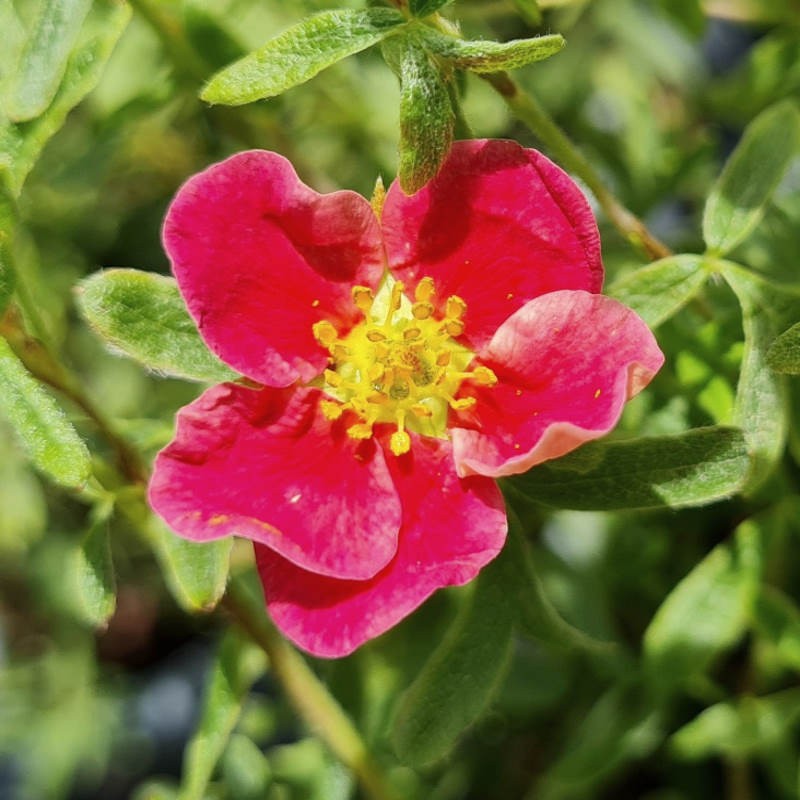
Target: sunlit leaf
x: 737, y: 201
x: 299, y: 53
x: 686, y: 469
x: 43, y: 429
x: 143, y: 315
x: 707, y: 612
x: 458, y: 682
x: 488, y: 56
x: 659, y: 290
x: 237, y: 665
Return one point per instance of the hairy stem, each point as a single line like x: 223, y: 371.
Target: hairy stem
x: 308, y: 695
x: 530, y: 112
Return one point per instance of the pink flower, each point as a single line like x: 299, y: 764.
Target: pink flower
x: 398, y: 362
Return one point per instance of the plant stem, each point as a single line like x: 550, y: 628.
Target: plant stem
x: 529, y: 111
x: 308, y: 695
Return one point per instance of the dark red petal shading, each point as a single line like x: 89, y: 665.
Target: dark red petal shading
x: 566, y: 362
x: 260, y: 257
x: 498, y: 226
x: 451, y: 528
x: 266, y: 465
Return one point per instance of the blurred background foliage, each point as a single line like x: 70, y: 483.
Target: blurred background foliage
x: 699, y: 696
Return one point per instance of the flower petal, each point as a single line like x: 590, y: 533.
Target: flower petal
x: 451, y: 528
x: 266, y: 465
x: 495, y: 209
x: 566, y: 364
x: 260, y: 257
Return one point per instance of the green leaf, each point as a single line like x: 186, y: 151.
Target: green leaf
x: 707, y: 612
x: 777, y: 621
x: 536, y: 616
x: 619, y: 727
x: 676, y: 471
x: 299, y: 53
x: 43, y: 429
x: 659, y: 290
x: 44, y: 58
x: 245, y: 769
x: 7, y: 226
x: 738, y: 730
x: 783, y: 354
x: 529, y: 11
x: 485, y: 57
x: 762, y: 396
x: 20, y: 145
x: 456, y: 685
x: 196, y: 573
x: 143, y: 316
x: 95, y: 590
x: 238, y: 664
x: 427, y: 120
x: 422, y: 8
x: 737, y: 201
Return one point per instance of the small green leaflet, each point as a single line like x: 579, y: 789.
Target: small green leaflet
x: 299, y: 53
x: 143, y: 316
x: 737, y: 201
x: 659, y: 290
x: 488, y: 56
x: 676, y: 471
x: 784, y: 353
x: 43, y: 429
x: 95, y: 590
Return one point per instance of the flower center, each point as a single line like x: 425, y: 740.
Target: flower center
x: 401, y: 365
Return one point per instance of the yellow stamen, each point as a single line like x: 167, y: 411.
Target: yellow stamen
x: 484, y: 376
x: 331, y: 410
x: 463, y: 403
x: 324, y: 333
x: 378, y: 197
x: 361, y: 430
x: 455, y: 307
x: 363, y: 297
x: 422, y: 310
x: 400, y: 443
x: 425, y: 290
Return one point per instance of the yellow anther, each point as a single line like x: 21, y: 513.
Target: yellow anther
x: 376, y: 336
x: 425, y: 290
x: 455, y: 307
x: 411, y: 333
x: 339, y: 351
x: 361, y: 430
x: 443, y: 359
x: 378, y: 197
x: 331, y: 410
x: 454, y: 327
x: 462, y: 404
x: 422, y: 309
x: 378, y: 398
x: 394, y: 301
x: 484, y: 376
x: 363, y: 297
x: 324, y: 333
x: 421, y: 411
x: 332, y: 378
x: 400, y: 443
x: 376, y: 372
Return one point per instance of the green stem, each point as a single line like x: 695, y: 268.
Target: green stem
x: 308, y: 695
x: 529, y: 111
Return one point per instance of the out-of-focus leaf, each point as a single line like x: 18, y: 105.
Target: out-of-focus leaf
x: 155, y: 790
x: 20, y: 145
x: 686, y: 469
x: 95, y: 590
x: 762, y: 396
x: 237, y: 665
x: 738, y: 730
x: 707, y: 612
x: 208, y: 35
x: 536, y: 616
x: 784, y: 353
x: 529, y: 11
x: 44, y: 58
x: 427, y: 120
x: 485, y: 57
x: 659, y: 290
x: 299, y: 53
x: 43, y: 429
x: 7, y: 223
x: 737, y: 201
x: 619, y: 727
x: 245, y: 769
x: 143, y: 315
x: 421, y: 8
x: 197, y: 573
x: 458, y: 682
x: 777, y: 620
